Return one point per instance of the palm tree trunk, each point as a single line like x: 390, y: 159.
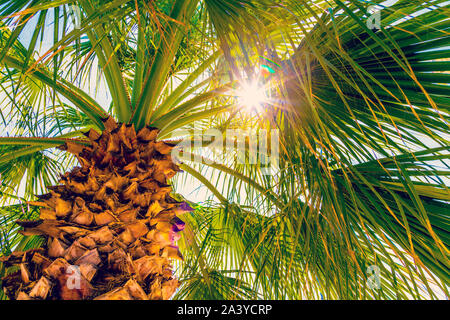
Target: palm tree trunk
x: 110, y: 225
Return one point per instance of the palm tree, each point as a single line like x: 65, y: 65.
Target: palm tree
x: 356, y: 208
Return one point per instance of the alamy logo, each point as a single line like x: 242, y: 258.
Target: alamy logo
x: 75, y: 12
x: 373, y: 281
x: 374, y: 14
x: 374, y: 20
x: 73, y: 277
x: 249, y: 146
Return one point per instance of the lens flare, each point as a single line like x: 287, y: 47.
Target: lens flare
x: 251, y: 95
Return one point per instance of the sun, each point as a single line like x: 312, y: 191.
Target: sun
x: 251, y: 95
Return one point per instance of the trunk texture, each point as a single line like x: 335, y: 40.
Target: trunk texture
x: 110, y: 225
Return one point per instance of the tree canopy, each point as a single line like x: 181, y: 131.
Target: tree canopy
x: 362, y: 112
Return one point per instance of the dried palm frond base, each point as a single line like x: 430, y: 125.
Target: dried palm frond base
x: 110, y: 225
